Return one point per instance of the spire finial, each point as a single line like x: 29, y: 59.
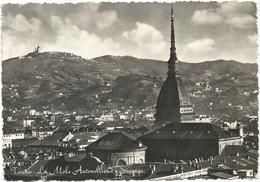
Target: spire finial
x: 173, y: 56
x: 172, y: 33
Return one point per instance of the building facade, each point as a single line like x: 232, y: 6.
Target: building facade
x: 8, y: 138
x: 118, y: 149
x: 181, y: 141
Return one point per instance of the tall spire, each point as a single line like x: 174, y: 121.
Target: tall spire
x: 173, y: 56
x: 168, y: 103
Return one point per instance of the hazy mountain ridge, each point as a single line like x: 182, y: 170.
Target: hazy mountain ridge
x: 68, y: 82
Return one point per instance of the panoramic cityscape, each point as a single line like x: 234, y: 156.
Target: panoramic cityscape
x: 119, y: 117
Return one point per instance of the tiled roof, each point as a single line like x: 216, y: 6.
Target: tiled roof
x: 23, y: 141
x: 137, y: 167
x: 183, y: 131
x: 189, y: 131
x: 165, y: 169
x: 86, y: 136
x: 225, y: 133
x: 13, y: 131
x: 53, y: 140
x: 135, y: 132
x: 232, y: 150
x: 115, y: 141
x: 222, y: 175
x: 86, y: 162
x: 76, y: 158
x: 245, y: 159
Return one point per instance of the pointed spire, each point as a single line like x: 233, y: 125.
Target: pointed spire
x: 168, y: 103
x: 173, y: 49
x: 173, y: 56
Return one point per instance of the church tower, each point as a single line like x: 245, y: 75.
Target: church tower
x: 168, y: 103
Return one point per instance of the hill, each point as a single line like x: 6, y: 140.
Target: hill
x: 66, y: 82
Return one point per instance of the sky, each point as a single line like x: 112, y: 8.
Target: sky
x: 203, y: 31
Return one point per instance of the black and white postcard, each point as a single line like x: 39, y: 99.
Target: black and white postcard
x: 129, y: 91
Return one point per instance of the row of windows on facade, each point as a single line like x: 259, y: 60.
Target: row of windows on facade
x: 13, y: 135
x: 186, y: 110
x: 191, y: 132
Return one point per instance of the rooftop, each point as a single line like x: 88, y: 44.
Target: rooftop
x: 116, y: 141
x: 53, y: 140
x: 190, y: 131
x: 241, y: 159
x: 166, y: 169
x: 223, y: 175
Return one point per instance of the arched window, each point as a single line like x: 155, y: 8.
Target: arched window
x: 121, y: 162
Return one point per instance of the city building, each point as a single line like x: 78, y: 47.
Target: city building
x: 186, y: 141
x: 173, y: 104
x: 51, y: 143
x: 43, y: 130
x: 168, y: 103
x: 86, y: 161
x: 28, y: 122
x: 117, y: 148
x: 81, y: 140
x: 173, y: 171
x: 173, y: 139
x: 9, y: 136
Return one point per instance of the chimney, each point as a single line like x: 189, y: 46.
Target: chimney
x: 224, y: 126
x: 237, y: 154
x: 181, y: 169
x: 164, y: 161
x: 176, y: 167
x: 241, y: 131
x: 200, y: 159
x: 190, y: 163
x: 140, y: 144
x: 152, y: 167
